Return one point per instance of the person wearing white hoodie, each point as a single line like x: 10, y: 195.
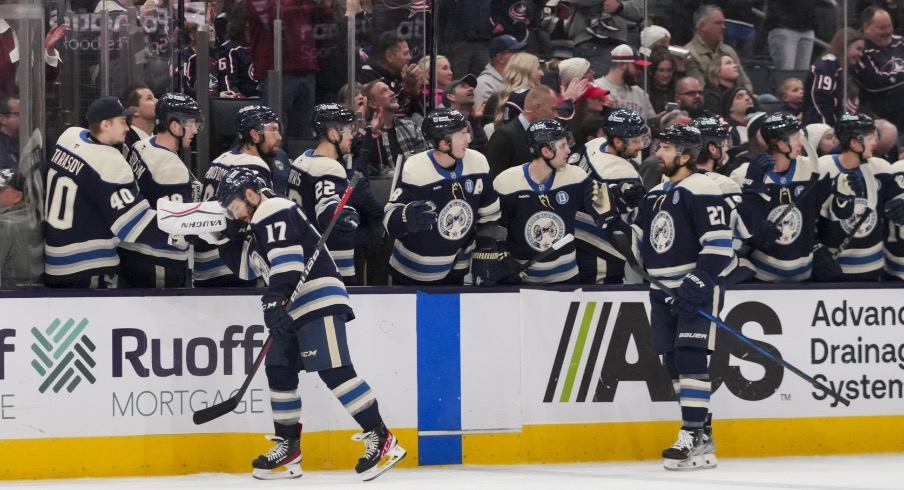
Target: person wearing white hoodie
x: 489, y: 82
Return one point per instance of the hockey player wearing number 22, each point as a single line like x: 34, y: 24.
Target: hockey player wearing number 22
x: 308, y: 327
x: 93, y: 202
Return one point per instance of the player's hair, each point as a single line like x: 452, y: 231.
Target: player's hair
x: 94, y: 128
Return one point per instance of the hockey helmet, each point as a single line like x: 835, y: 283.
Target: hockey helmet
x: 625, y: 124
x: 254, y: 117
x: 442, y: 123
x: 853, y: 125
x: 176, y: 106
x: 330, y: 115
x: 779, y: 127
x: 685, y: 138
x: 234, y: 183
x: 711, y: 130
x: 546, y: 132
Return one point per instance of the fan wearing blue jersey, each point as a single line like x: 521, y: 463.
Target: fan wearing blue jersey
x: 259, y: 139
x: 606, y: 160
x: 161, y: 174
x: 93, y: 203
x: 317, y: 181
x: 444, y: 200
x: 877, y: 207
x: 308, y: 327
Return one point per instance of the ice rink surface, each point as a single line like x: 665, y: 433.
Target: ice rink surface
x: 799, y: 473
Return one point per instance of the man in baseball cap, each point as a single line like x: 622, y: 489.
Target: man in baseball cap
x: 501, y: 49
x: 621, y: 81
x: 459, y: 95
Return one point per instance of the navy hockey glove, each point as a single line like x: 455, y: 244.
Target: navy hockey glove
x: 756, y: 173
x: 769, y: 234
x: 894, y: 211
x: 695, y: 291
x: 491, y: 264
x: 419, y: 216
x: 825, y: 268
x: 235, y: 230
x: 630, y: 194
x: 276, y: 318
x: 347, y: 223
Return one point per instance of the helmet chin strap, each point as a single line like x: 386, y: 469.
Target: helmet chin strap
x: 862, y: 149
x: 448, y: 152
x: 548, y: 161
x: 336, y: 145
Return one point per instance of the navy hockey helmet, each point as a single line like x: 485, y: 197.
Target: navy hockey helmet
x: 176, y: 106
x: 625, y: 124
x: 685, y: 138
x: 853, y: 125
x: 442, y: 123
x: 546, y: 132
x: 330, y: 115
x: 234, y: 183
x: 779, y: 127
x: 711, y: 130
x: 254, y: 117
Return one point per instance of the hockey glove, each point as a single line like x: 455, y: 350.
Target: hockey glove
x: 347, y: 223
x: 825, y: 268
x: 276, y: 318
x: 756, y: 173
x: 894, y: 211
x: 419, y: 216
x: 491, y: 264
x: 235, y: 230
x: 695, y: 291
x: 769, y: 234
x: 598, y: 203
x: 630, y: 194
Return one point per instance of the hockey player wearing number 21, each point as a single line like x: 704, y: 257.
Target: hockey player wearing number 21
x: 92, y: 202
x: 308, y: 328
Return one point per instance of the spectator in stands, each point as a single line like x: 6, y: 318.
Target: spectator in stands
x: 735, y: 105
x: 501, y: 49
x: 887, y: 146
x: 662, y: 78
x: 465, y: 34
x: 459, y: 95
x: 588, y: 41
x: 141, y: 124
x: 824, y: 101
x: 722, y: 74
x: 390, y: 139
x: 9, y: 131
x: 791, y: 92
x: 622, y: 79
x: 522, y: 72
x: 507, y: 147
x: 878, y: 72
x: 299, y: 52
x: 790, y: 25
x: 391, y: 63
x: 589, y: 105
x: 21, y: 243
x: 709, y: 24
x: 822, y: 138
x: 190, y: 82
x: 689, y: 95
x: 9, y: 56
x: 895, y: 9
x: 443, y: 76
x: 652, y: 37
x: 234, y: 58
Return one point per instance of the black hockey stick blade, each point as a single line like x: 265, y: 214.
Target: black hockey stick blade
x: 215, y: 411
x: 850, y: 236
x: 565, y: 240
x: 622, y: 244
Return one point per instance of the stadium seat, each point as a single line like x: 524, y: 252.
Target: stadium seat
x: 761, y: 79
x: 222, y: 122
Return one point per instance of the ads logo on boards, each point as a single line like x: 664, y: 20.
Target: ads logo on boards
x: 582, y: 358
x: 62, y: 355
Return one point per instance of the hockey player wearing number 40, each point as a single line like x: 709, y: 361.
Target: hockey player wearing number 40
x: 308, y: 333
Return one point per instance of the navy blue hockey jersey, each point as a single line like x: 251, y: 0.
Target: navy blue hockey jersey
x: 824, y: 99
x: 894, y: 235
x: 234, y: 65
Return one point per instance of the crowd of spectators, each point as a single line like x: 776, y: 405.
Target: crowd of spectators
x: 505, y: 64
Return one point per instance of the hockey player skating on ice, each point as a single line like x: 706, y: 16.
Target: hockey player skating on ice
x: 683, y: 236
x: 312, y: 324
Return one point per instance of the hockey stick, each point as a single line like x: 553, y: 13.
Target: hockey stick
x: 218, y: 410
x: 853, y: 232
x: 565, y: 240
x: 620, y: 240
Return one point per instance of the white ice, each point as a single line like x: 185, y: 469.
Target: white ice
x: 870, y: 472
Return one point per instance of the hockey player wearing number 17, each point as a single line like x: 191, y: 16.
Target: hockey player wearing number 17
x: 308, y: 330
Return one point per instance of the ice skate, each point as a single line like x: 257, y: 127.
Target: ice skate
x: 602, y: 27
x: 687, y: 452
x: 709, y: 444
x: 382, y: 452
x: 285, y: 457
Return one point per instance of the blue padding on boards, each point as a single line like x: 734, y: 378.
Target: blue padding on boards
x: 438, y: 361
x: 439, y: 450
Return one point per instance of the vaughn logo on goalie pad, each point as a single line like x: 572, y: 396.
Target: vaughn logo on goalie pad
x: 197, y: 217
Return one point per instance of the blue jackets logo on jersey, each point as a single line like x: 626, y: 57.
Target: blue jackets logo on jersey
x: 543, y: 229
x: 662, y: 231
x: 790, y: 226
x: 455, y: 219
x: 562, y: 197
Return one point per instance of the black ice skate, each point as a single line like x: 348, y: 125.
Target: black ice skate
x: 602, y: 27
x: 687, y: 452
x: 381, y: 452
x: 285, y: 454
x: 709, y: 444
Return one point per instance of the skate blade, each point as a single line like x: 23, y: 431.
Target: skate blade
x: 709, y: 461
x: 291, y: 471
x: 692, y: 463
x: 392, y: 458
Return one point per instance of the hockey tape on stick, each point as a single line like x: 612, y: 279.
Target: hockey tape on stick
x: 216, y: 411
x: 622, y: 244
x: 190, y: 218
x: 565, y: 240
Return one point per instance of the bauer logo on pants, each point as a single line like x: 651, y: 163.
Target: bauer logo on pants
x: 63, y: 355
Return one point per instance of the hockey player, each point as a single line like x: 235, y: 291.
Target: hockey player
x: 894, y: 238
x: 780, y: 184
x: 606, y: 160
x: 313, y: 324
x: 260, y: 135
x: 540, y: 201
x: 683, y: 236
x: 442, y: 197
x: 317, y: 181
x: 92, y: 202
x: 878, y: 197
x: 160, y: 173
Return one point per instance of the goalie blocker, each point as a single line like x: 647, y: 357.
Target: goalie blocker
x: 191, y: 218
